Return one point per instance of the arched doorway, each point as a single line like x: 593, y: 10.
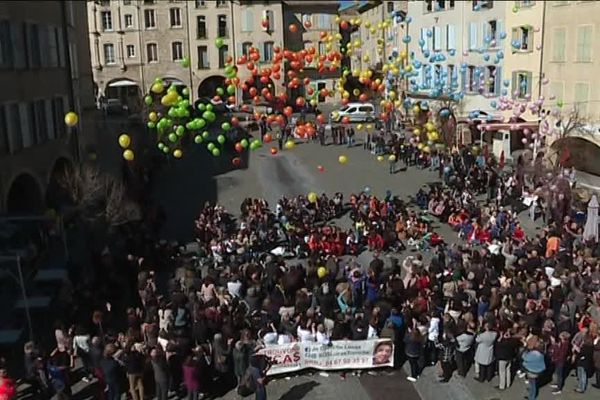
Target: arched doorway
x: 208, y: 87
x: 57, y: 196
x: 576, y: 152
x: 24, y: 196
x: 126, y: 90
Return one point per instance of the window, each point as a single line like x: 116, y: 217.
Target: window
x: 126, y: 2
x: 437, y: 38
x: 471, y: 84
x: 15, y: 129
x: 246, y: 46
x: 269, y: 17
x: 149, y: 19
x: 473, y: 36
x: 149, y: 2
x: 175, y: 17
x: 521, y: 83
x: 450, y: 37
x: 222, y: 26
x: 177, y: 51
x: 557, y: 89
x: 390, y: 6
x: 322, y: 48
x: 52, y: 52
x: 39, y: 111
x: 201, y: 27
x: 152, y: 52
x: 221, y: 3
x: 268, y: 51
x: 559, y: 41
x: 128, y: 21
x: 109, y: 53
x: 130, y: 51
x: 247, y: 20
x: 200, y: 3
x: 428, y: 5
x: 106, y: 20
x: 450, y: 76
x: 323, y: 21
x: 582, y: 92
x: 223, y: 54
x: 490, y: 31
x: 584, y: 43
x: 491, y: 80
x: 104, y: 3
x: 202, y: 57
x: 482, y: 5
x: 6, y: 45
x: 523, y: 36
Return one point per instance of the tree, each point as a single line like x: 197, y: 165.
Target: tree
x: 99, y: 197
x: 558, y: 124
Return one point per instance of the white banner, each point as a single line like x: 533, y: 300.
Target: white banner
x: 341, y: 354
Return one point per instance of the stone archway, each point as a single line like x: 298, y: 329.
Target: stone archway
x: 57, y: 197
x: 208, y: 87
x: 577, y: 152
x: 24, y: 196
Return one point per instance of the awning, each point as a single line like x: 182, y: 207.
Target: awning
x: 509, y: 126
x: 123, y: 83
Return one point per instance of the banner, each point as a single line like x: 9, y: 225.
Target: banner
x: 341, y: 354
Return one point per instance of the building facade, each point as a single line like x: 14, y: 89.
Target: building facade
x: 133, y: 42
x: 45, y: 70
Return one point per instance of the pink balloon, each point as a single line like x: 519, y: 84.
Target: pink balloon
x: 524, y: 140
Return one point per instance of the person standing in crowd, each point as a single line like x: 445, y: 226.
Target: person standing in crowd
x: 111, y: 372
x: 413, y: 347
x: 534, y: 364
x: 134, y: 366
x: 506, y: 351
x: 560, y: 353
x: 160, y: 369
x: 484, y: 354
x: 258, y: 374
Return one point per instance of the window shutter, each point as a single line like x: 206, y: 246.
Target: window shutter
x: 25, y: 126
x: 437, y: 38
x: 451, y: 37
x: 529, y: 82
x: 49, y: 119
x: 498, y: 81
x: 425, y: 38
x: 485, y: 31
x: 499, y: 31
x: 472, y: 36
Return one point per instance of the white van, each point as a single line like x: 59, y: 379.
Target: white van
x: 357, y: 112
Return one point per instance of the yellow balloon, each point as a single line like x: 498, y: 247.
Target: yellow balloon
x: 157, y: 87
x: 177, y: 153
x: 355, y: 73
x: 426, y: 149
x: 71, y: 119
x: 369, y: 73
x: 416, y: 109
x: 392, y: 158
x: 153, y: 116
x: 342, y: 159
x: 356, y: 92
x: 380, y: 158
x: 338, y: 19
x: 392, y: 94
x: 124, y: 140
x: 369, y: 127
x: 385, y: 68
x: 373, y: 30
x: 359, y: 127
x: 429, y: 126
x: 367, y: 24
x: 403, y: 54
x: 434, y: 136
x: 312, y: 197
x: 314, y: 102
x: 420, y: 146
x: 128, y: 155
x: 328, y: 47
x: 408, y: 68
x: 338, y: 36
x: 346, y: 95
x: 416, y: 131
x: 357, y: 43
x: 322, y: 272
x: 290, y: 144
x: 366, y: 58
x: 335, y: 114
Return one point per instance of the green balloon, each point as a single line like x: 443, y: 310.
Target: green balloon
x: 198, y: 139
x: 210, y: 107
x: 209, y: 116
x: 201, y: 107
x: 151, y: 125
x: 180, y: 130
x: 219, y: 42
x: 221, y: 139
x: 190, y: 125
x: 205, y: 134
x: 220, y: 91
x: 210, y: 146
x: 185, y: 91
x: 200, y: 123
x: 158, y: 80
x: 165, y: 149
x: 148, y: 100
x: 244, y: 143
x: 229, y: 70
x: 231, y: 89
x: 161, y: 145
x: 172, y: 137
x: 172, y: 112
x: 185, y: 63
x: 216, y: 152
x: 226, y: 126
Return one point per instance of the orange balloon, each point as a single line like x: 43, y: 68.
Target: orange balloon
x: 253, y: 92
x: 307, y: 24
x: 238, y: 147
x: 306, y: 81
x: 293, y: 28
x: 274, y: 150
x: 320, y: 119
x: 323, y: 34
x: 362, y: 98
x: 346, y: 120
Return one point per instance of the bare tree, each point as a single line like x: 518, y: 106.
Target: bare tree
x: 99, y: 197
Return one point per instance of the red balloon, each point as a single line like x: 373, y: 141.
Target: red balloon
x: 324, y: 92
x: 280, y: 121
x: 253, y: 92
x: 307, y: 24
x: 276, y: 67
x: 346, y: 120
x: 265, y: 23
x: 321, y: 168
x: 273, y: 150
x: 238, y: 147
x: 345, y: 102
x: 344, y: 25
x: 288, y: 111
x: 250, y: 66
x: 306, y: 81
x: 293, y: 28
x: 267, y: 138
x: 362, y: 98
x: 254, y: 56
x: 323, y: 34
x: 236, y: 162
x: 264, y: 79
x: 300, y: 102
x: 320, y: 119
x: 277, y: 76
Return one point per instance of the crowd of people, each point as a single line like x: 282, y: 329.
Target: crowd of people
x: 494, y: 299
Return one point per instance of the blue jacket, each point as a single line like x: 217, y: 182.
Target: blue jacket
x: 533, y: 361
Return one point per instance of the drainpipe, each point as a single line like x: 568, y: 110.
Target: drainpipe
x: 66, y: 42
x: 140, y: 44
x: 189, y: 50
x: 536, y: 142
x: 233, y: 45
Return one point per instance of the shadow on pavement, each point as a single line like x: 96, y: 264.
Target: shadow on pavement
x: 298, y: 392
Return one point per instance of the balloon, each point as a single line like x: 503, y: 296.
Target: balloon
x: 151, y: 125
x: 380, y: 158
x: 244, y: 143
x: 267, y: 138
x: 321, y: 168
x: 226, y: 126
x: 216, y: 152
x: 148, y: 100
x: 293, y: 28
x: 219, y: 42
x: 198, y: 139
x: 124, y: 140
x: 392, y: 158
x: 211, y: 146
x: 221, y: 139
x: 128, y: 155
x: 71, y: 119
x: 273, y: 150
x: 209, y: 116
x: 177, y: 153
x: 153, y: 116
x: 236, y: 161
x: 322, y: 272
x: 157, y: 87
x: 342, y: 159
x: 185, y: 62
x: 172, y: 137
x: 312, y: 197
x: 290, y: 144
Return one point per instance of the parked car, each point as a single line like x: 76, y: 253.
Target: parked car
x: 113, y: 106
x: 357, y: 112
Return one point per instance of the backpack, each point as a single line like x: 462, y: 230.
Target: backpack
x: 246, y: 386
